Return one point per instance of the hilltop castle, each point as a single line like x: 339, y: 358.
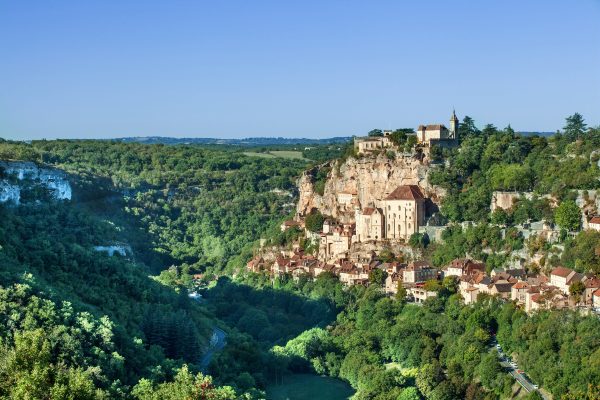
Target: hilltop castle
x: 427, y: 135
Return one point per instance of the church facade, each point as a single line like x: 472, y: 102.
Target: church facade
x: 396, y: 217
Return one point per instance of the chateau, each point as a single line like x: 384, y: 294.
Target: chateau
x: 427, y: 135
x: 438, y: 134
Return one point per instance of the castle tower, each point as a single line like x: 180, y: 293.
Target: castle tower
x: 453, y: 126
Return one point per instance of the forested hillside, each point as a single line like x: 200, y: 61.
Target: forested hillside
x: 77, y: 323
x: 98, y: 324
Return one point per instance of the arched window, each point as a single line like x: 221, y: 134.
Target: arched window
x: 409, y: 225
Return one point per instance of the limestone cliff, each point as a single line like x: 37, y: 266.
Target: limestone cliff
x: 16, y: 174
x: 359, y: 182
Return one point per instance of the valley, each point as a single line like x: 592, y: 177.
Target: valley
x: 281, y: 277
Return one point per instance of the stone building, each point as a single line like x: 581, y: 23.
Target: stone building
x: 370, y: 144
x: 398, y: 216
x: 404, y: 211
x: 438, y: 134
x: 369, y: 224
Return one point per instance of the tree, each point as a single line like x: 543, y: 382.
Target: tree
x: 432, y: 285
x: 568, y: 215
x: 377, y: 276
x: 418, y: 240
x: 467, y: 128
x: 409, y: 393
x: 401, y: 292
x: 410, y: 143
x: 575, y: 127
x: 577, y: 288
x: 314, y: 221
x: 375, y: 132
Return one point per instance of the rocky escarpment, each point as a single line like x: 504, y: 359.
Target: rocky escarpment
x: 17, y: 175
x: 360, y: 182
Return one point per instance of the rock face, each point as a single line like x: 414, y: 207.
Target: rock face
x: 122, y: 250
x: 362, y: 182
x: 14, y: 174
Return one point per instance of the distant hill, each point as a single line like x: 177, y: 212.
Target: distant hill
x: 529, y: 133
x: 255, y: 141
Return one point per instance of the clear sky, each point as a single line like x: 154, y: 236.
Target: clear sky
x: 91, y: 69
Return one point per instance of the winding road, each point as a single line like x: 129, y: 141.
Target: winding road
x: 217, y: 342
x: 514, y: 372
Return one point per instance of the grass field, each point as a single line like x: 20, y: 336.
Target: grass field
x: 277, y: 153
x: 310, y: 387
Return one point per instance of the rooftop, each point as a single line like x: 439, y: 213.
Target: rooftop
x: 406, y: 192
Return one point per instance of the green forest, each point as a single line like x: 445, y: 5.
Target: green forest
x: 80, y: 324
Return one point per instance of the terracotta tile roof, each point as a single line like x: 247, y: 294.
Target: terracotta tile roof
x: 592, y: 283
x: 406, y: 192
x: 561, y: 271
x: 595, y: 220
x: 597, y: 293
x: 521, y: 285
x: 368, y: 210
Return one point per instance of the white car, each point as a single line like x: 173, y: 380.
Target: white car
x: 536, y: 387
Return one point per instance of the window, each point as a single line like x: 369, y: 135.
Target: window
x: 409, y: 225
x: 398, y: 208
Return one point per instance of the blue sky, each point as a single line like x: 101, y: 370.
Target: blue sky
x: 99, y: 69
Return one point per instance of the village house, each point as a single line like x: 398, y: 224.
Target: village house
x: 592, y: 283
x: 392, y: 281
x: 420, y: 294
x: 438, y: 134
x: 418, y: 271
x: 335, y: 240
x: 256, y: 264
x: 563, y: 278
x: 518, y: 292
x: 594, y: 223
x: 596, y: 300
x: 463, y: 266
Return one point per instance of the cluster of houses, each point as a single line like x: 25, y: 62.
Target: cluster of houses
x: 534, y: 291
x: 531, y: 291
x: 427, y: 135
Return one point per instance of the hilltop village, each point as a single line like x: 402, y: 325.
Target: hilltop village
x: 371, y: 210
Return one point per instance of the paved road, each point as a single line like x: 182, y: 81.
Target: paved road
x: 217, y: 342
x: 519, y: 377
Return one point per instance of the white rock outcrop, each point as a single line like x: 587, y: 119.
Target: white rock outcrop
x: 16, y: 173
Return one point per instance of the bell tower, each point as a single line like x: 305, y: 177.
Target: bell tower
x: 454, y: 126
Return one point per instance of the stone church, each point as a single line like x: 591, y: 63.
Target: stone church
x: 395, y: 217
